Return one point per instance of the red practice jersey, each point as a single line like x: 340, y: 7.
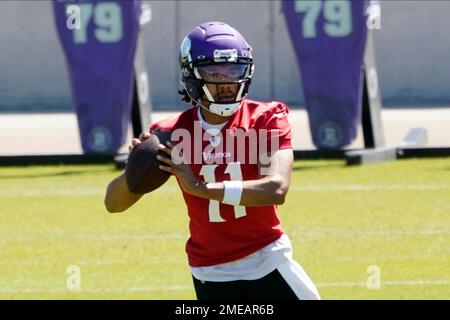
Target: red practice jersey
x: 221, y: 233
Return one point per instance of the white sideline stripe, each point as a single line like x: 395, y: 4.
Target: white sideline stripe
x: 98, y: 238
x: 185, y: 288
x: 388, y: 283
x: 52, y: 192
x: 389, y: 258
x: 365, y: 187
x: 300, y: 233
x: 305, y: 234
x: 296, y: 188
x: 144, y: 289
x: 105, y: 263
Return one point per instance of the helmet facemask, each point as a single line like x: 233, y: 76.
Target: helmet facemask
x: 201, y: 76
x: 212, y: 56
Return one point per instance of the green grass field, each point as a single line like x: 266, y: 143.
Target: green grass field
x: 341, y: 220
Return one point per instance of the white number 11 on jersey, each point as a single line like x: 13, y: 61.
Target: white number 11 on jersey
x: 208, y: 173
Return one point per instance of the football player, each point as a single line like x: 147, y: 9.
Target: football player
x: 237, y: 248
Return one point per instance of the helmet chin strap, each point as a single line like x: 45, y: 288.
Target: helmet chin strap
x: 222, y: 109
x: 225, y: 109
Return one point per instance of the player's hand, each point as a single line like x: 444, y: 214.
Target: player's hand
x: 182, y: 171
x: 142, y: 137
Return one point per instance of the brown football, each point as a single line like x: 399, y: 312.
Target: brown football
x: 142, y: 172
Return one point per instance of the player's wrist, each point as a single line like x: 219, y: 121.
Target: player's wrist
x: 197, y: 188
x: 232, y: 192
x: 208, y: 190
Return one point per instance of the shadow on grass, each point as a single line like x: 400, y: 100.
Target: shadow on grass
x: 321, y: 165
x: 57, y: 174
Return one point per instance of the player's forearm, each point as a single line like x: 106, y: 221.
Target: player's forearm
x: 118, y: 198
x: 270, y: 190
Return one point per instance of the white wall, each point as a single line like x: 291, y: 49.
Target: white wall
x: 413, y: 52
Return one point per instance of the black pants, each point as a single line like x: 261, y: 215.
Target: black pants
x: 271, y: 287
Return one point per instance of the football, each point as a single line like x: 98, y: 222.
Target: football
x: 141, y: 172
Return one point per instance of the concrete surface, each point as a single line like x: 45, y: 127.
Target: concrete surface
x: 26, y: 134
x: 412, y: 49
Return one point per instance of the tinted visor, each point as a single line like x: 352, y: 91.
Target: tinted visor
x: 223, y: 73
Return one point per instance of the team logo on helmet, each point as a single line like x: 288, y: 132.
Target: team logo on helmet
x: 229, y: 55
x: 185, y: 50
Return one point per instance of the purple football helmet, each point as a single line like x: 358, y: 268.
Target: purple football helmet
x: 216, y: 53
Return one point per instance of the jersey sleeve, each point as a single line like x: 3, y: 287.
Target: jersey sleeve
x: 165, y: 125
x: 153, y: 126
x: 276, y: 122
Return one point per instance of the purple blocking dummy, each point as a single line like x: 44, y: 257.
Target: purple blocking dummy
x: 329, y: 39
x: 99, y: 40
